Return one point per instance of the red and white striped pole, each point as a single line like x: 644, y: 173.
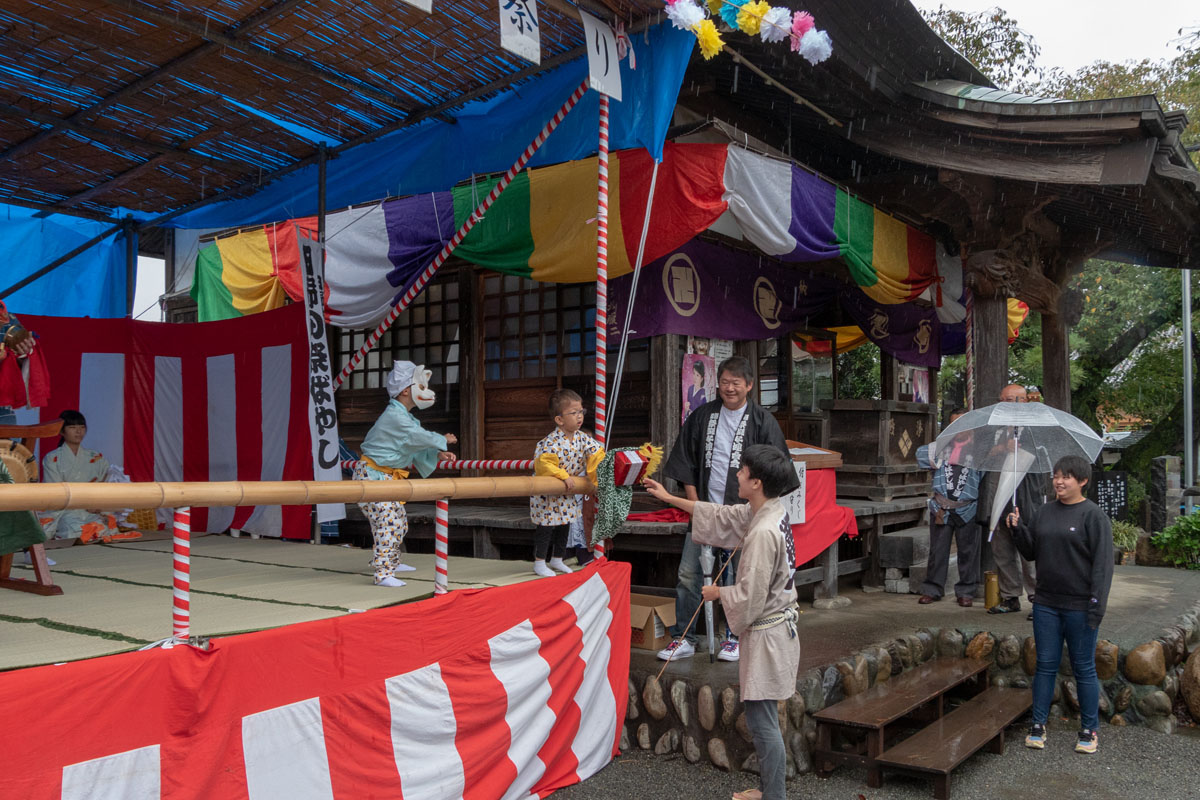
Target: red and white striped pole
x: 462, y: 232
x: 182, y: 614
x: 441, y: 547
x: 601, y: 413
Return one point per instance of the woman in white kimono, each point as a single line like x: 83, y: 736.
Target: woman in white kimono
x: 761, y: 606
x: 70, y: 462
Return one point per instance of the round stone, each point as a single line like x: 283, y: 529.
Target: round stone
x: 679, y: 699
x: 667, y: 743
x: 928, y: 642
x: 1154, y: 704
x: 751, y: 764
x: 981, y: 646
x: 1189, y: 684
x: 810, y: 685
x: 799, y: 748
x: 717, y: 754
x: 1106, y: 659
x: 1118, y: 720
x: 950, y: 644
x: 898, y: 649
x: 1105, y: 705
x: 743, y: 729
x: 1071, y: 694
x: 795, y: 710
x: 625, y: 744
x: 1146, y: 664
x: 883, y: 671
x: 1174, y: 644
x: 706, y: 709
x: 1008, y: 651
x: 831, y: 684
x: 854, y: 676
x: 1029, y: 656
x: 643, y: 736
x: 1162, y: 724
x: 1170, y: 685
x: 691, y: 750
x: 652, y: 698
x: 1123, y: 698
x: 728, y: 705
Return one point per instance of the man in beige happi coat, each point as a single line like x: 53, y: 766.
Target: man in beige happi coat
x: 761, y: 606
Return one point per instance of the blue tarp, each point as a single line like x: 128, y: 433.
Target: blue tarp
x: 90, y: 285
x: 488, y: 136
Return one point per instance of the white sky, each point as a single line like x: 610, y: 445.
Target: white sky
x: 1073, y: 34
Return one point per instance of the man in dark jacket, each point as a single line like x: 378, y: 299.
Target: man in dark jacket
x: 705, y: 460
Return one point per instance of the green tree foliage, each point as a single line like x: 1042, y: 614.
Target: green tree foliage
x: 993, y: 42
x: 858, y: 374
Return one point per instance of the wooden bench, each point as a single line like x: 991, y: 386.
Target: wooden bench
x: 919, y: 692
x: 944, y: 744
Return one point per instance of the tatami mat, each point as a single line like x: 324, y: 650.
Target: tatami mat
x: 124, y: 591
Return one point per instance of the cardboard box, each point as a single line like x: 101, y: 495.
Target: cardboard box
x: 650, y: 616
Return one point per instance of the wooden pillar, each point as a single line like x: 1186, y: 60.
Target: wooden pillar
x: 990, y: 328
x: 1056, y: 362
x: 666, y: 401
x: 889, y: 377
x: 470, y: 364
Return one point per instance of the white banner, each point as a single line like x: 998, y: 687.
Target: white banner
x: 520, y: 31
x: 794, y: 502
x: 322, y: 412
x: 424, y: 5
x: 604, y: 70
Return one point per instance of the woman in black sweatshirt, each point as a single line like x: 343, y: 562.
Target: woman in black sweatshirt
x: 1071, y: 541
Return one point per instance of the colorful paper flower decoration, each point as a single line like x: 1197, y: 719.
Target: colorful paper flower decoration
x: 772, y: 24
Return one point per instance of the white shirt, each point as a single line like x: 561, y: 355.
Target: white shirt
x: 727, y: 426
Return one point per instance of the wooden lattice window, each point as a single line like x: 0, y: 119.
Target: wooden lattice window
x: 545, y: 330
x: 426, y: 333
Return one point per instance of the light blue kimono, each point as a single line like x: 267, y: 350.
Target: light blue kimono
x: 398, y: 441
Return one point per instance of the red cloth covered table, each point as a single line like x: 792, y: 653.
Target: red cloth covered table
x: 825, y: 519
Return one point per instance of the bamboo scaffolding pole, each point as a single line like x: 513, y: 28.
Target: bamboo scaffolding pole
x: 58, y: 496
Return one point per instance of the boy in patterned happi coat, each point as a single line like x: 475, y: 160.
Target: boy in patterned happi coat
x: 395, y: 444
x: 565, y: 454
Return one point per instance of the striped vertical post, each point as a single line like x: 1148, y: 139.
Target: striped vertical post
x: 441, y: 547
x: 460, y: 234
x: 182, y: 583
x: 970, y: 351
x: 601, y: 413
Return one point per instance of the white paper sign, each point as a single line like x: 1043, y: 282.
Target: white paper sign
x: 322, y: 413
x: 424, y: 5
x: 604, y: 69
x: 520, y: 31
x: 794, y: 502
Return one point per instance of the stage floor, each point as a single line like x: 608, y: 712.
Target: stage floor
x: 118, y: 597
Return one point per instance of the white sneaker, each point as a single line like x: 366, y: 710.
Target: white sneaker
x: 50, y: 562
x: 390, y: 581
x: 680, y: 648
x: 541, y: 569
x: 729, y: 651
x: 405, y: 568
x: 558, y: 564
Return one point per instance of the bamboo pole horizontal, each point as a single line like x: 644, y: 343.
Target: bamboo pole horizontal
x: 58, y: 496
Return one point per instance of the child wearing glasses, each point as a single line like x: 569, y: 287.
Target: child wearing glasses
x: 567, y: 453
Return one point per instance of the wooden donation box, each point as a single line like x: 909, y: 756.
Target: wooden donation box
x: 878, y: 440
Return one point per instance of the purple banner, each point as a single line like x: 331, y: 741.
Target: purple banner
x: 703, y: 289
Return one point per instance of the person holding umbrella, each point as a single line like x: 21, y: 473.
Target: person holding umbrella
x: 1015, y: 573
x: 1070, y: 539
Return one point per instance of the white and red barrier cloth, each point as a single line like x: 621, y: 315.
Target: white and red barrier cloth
x: 507, y: 692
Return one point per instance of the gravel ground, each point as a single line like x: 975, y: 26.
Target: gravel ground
x: 1132, y: 763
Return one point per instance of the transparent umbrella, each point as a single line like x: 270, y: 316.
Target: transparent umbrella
x: 1014, y: 439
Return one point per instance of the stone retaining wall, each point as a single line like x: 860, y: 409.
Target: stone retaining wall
x: 1138, y: 686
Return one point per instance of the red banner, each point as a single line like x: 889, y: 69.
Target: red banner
x: 502, y: 692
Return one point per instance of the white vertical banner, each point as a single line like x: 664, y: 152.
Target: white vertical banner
x: 424, y: 5
x: 322, y: 412
x: 794, y: 503
x: 520, y: 31
x: 604, y: 70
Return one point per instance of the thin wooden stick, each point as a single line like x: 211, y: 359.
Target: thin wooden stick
x: 683, y: 635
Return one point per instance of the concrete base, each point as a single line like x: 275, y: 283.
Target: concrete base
x: 827, y: 603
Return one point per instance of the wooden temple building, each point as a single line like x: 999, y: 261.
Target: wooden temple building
x: 1019, y: 191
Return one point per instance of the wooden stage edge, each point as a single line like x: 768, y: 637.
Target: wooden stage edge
x: 118, y: 597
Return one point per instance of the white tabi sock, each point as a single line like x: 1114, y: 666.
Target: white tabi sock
x: 541, y: 569
x: 389, y: 581
x: 405, y: 568
x: 557, y: 563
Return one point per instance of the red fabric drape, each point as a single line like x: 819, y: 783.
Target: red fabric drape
x: 825, y: 519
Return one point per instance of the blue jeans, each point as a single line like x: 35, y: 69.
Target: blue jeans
x: 689, y: 581
x: 762, y: 718
x: 1051, y: 626
x: 7, y: 415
